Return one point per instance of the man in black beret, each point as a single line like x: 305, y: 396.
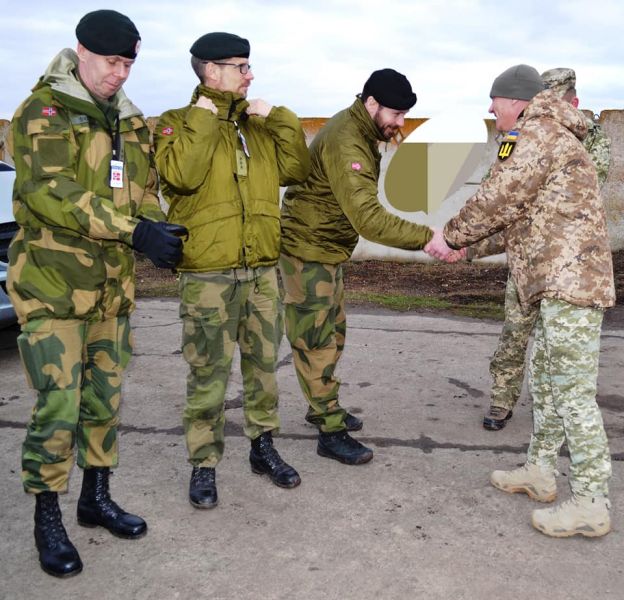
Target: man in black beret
x: 85, y: 198
x: 222, y: 159
x: 322, y: 220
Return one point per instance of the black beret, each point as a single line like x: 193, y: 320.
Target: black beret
x: 390, y: 89
x: 219, y: 45
x: 108, y: 33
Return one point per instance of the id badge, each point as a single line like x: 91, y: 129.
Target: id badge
x: 116, y: 173
x: 241, y: 164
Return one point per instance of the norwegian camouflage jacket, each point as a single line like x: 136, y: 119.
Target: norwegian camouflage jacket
x: 71, y: 258
x: 221, y: 176
x: 323, y: 217
x: 545, y: 196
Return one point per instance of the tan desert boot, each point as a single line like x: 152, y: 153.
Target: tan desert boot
x: 581, y: 515
x: 530, y: 479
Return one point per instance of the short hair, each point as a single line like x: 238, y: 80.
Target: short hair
x: 199, y: 66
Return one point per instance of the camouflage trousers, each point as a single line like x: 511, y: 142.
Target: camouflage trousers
x: 75, y: 366
x: 562, y: 380
x: 218, y: 310
x: 316, y: 326
x: 507, y: 364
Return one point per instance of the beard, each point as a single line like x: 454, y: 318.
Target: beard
x: 386, y: 131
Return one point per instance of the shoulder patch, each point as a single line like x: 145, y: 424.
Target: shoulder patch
x: 48, y: 111
x: 508, y: 144
x: 79, y: 119
x: 167, y: 131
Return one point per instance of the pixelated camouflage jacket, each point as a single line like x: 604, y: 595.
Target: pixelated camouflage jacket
x: 597, y: 144
x: 323, y: 217
x: 546, y: 194
x: 71, y: 258
x: 224, y: 192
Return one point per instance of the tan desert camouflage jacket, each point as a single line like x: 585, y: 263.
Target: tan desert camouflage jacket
x: 545, y: 195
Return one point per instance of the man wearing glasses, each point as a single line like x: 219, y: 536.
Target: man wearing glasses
x: 222, y: 159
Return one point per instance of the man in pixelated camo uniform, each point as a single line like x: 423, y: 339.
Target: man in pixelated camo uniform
x: 322, y: 220
x: 84, y: 179
x: 543, y: 192
x: 222, y: 159
x: 508, y: 363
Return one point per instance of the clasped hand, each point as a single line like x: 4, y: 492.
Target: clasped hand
x: 438, y: 248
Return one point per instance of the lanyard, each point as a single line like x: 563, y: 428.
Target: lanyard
x: 242, y: 139
x: 116, y: 135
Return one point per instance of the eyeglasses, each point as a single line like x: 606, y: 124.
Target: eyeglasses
x: 244, y: 68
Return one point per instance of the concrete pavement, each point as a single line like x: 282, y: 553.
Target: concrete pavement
x: 419, y: 521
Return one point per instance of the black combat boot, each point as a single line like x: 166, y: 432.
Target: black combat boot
x: 340, y: 446
x: 95, y: 507
x: 351, y: 422
x: 57, y: 555
x: 265, y: 460
x: 203, y: 488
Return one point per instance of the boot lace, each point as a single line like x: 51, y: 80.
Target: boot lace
x: 203, y: 477
x: 51, y: 521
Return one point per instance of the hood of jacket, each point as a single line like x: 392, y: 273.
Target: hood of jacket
x: 61, y: 76
x: 548, y: 105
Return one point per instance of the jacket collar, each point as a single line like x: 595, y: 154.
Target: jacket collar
x: 230, y: 106
x: 61, y: 77
x: 365, y: 122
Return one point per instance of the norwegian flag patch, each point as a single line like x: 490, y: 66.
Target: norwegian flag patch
x: 167, y: 131
x: 48, y: 111
x: 356, y: 166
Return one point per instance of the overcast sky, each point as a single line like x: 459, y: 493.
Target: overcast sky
x: 314, y: 55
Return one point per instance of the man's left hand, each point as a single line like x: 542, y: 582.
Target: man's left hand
x: 259, y: 107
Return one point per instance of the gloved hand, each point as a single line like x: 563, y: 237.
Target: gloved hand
x: 160, y: 242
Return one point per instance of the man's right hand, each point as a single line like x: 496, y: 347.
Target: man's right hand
x: 203, y: 102
x: 160, y: 241
x: 437, y: 246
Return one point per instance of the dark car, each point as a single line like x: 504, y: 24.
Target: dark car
x: 8, y: 227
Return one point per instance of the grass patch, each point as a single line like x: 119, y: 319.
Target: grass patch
x: 475, y: 309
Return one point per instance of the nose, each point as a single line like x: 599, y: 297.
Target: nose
x: 122, y: 71
x: 491, y: 109
x: 249, y: 75
x: 400, y: 121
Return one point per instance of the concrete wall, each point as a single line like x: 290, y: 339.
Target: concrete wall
x: 613, y: 190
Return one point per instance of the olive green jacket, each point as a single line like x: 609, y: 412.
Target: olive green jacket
x: 323, y: 218
x: 71, y: 258
x: 228, y: 198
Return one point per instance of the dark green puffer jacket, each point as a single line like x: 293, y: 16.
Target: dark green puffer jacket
x: 323, y: 217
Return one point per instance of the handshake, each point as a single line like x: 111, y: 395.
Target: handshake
x: 160, y: 241
x: 438, y: 248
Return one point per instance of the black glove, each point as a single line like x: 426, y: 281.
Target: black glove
x: 160, y: 242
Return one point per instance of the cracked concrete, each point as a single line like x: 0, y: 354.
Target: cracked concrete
x: 419, y: 521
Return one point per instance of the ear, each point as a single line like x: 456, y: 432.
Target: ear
x: 81, y: 51
x: 371, y: 105
x: 575, y: 102
x: 211, y: 72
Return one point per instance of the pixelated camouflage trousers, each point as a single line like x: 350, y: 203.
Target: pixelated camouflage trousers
x: 508, y: 363
x: 316, y: 326
x: 219, y: 310
x: 562, y: 381
x: 75, y: 367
